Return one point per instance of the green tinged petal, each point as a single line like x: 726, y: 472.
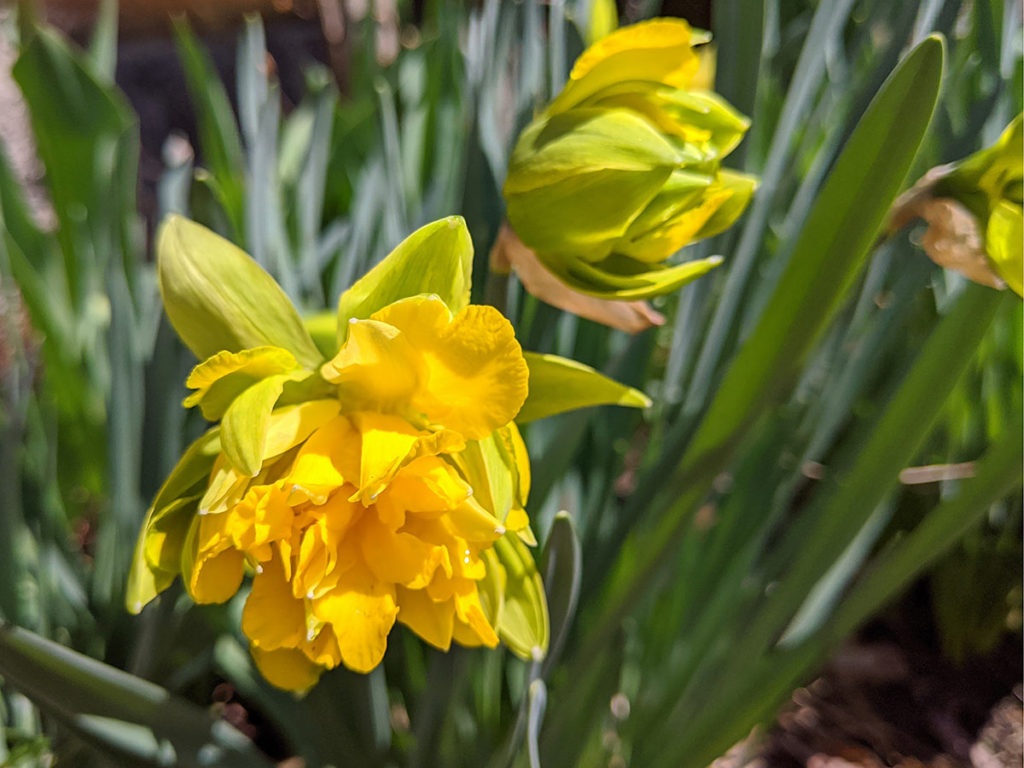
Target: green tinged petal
x: 153, y: 565
x: 584, y: 141
x: 558, y: 385
x: 1004, y: 243
x: 620, y: 278
x: 218, y: 298
x: 246, y: 421
x: 742, y: 187
x: 583, y: 215
x: 523, y: 623
x: 221, y: 378
x: 435, y: 259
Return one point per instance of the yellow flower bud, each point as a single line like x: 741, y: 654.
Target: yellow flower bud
x: 624, y: 167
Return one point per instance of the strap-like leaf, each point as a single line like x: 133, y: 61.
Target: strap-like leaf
x: 141, y: 723
x: 558, y: 384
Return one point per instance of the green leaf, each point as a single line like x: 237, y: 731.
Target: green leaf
x: 558, y: 384
x: 830, y: 251
x: 219, y: 140
x: 523, y: 620
x: 435, y: 259
x: 217, y: 298
x: 102, y: 704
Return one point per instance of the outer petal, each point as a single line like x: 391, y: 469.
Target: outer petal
x: 219, y: 379
x: 433, y: 621
x: 389, y: 444
x: 376, y: 367
x: 286, y: 668
x: 211, y: 569
x: 362, y: 611
x: 658, y: 50
x: 272, y: 617
x: 327, y: 460
x: 476, y: 378
x: 398, y: 558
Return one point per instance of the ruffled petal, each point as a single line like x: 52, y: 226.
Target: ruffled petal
x: 272, y: 617
x: 362, y: 611
x: 659, y: 50
x: 432, y: 621
x: 475, y: 375
x: 286, y: 668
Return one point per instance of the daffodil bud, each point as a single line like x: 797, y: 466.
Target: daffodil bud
x: 989, y: 184
x: 623, y: 168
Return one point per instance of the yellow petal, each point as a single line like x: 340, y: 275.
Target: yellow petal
x: 272, y: 617
x: 362, y: 611
x: 433, y: 621
x: 427, y: 485
x: 475, y: 376
x: 292, y: 424
x: 327, y: 460
x: 323, y: 649
x: 471, y: 613
x: 657, y: 244
x: 659, y: 50
x: 219, y: 379
x: 390, y: 443
x: 286, y: 668
x: 471, y: 521
x: 397, y: 558
x: 376, y: 368
x: 216, y: 576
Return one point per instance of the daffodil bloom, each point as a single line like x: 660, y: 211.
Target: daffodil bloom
x: 623, y: 168
x: 384, y: 483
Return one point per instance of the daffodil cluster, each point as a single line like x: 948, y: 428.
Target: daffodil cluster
x: 374, y: 477
x: 623, y: 168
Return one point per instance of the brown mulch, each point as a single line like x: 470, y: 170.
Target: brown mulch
x: 888, y: 699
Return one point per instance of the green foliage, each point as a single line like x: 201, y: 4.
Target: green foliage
x: 714, y: 547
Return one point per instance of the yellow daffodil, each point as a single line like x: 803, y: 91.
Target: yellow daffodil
x: 382, y: 482
x: 623, y: 168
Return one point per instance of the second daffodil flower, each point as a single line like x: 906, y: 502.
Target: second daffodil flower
x: 624, y: 167
x: 372, y: 477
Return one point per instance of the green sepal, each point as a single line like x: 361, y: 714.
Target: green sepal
x: 585, y: 141
x: 583, y: 214
x: 742, y: 186
x: 323, y: 329
x: 164, y: 528
x: 523, y: 623
x: 246, y: 421
x: 435, y: 259
x: 218, y: 380
x: 620, y: 278
x: 218, y: 298
x: 558, y: 384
